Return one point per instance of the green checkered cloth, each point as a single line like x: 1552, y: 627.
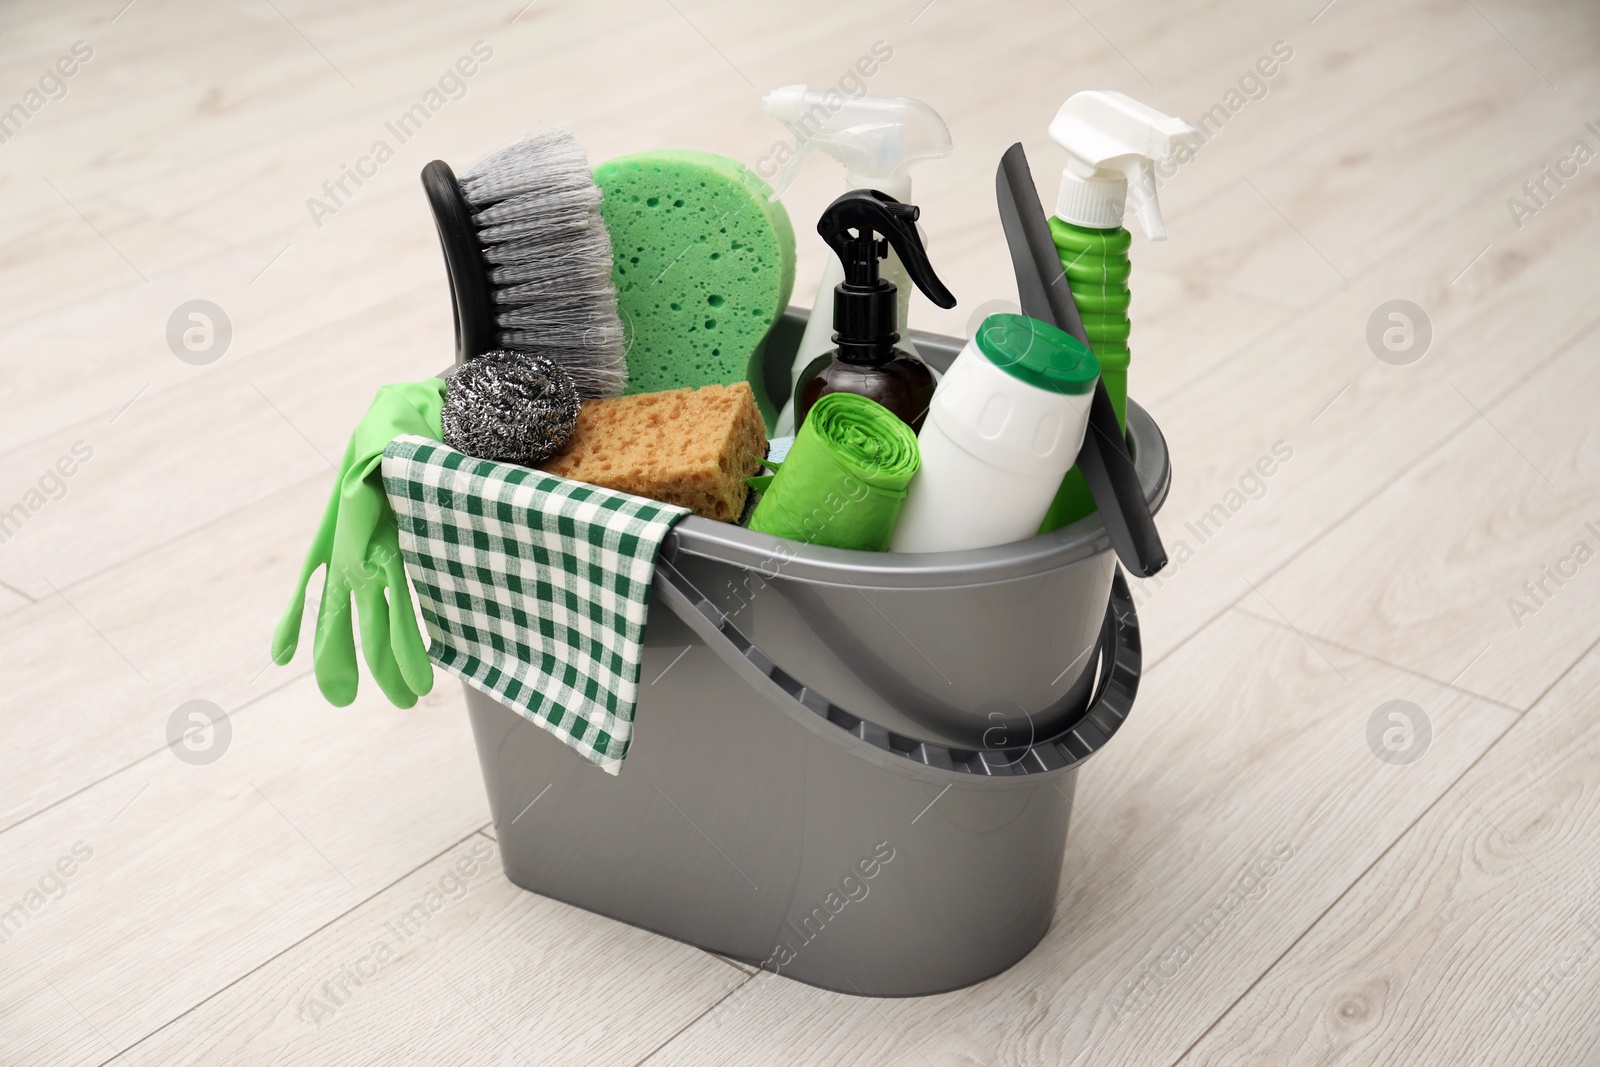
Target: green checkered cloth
x: 534, y: 588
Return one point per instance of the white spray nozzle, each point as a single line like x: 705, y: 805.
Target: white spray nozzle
x: 877, y: 138
x: 1113, y: 141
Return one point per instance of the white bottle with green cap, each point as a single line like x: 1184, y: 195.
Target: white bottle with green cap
x: 1005, y: 426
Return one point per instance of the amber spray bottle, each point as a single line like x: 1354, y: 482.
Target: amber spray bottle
x: 866, y: 358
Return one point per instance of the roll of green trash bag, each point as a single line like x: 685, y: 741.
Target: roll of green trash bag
x: 844, y: 479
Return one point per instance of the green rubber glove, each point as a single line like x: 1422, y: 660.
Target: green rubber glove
x: 359, y: 545
x: 845, y: 476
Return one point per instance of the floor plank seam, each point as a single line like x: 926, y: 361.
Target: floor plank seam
x: 163, y: 175
x: 1296, y: 313
x: 1156, y: 661
x: 1407, y: 238
x: 686, y: 1026
x: 25, y: 596
x: 1352, y: 120
x: 116, y: 193
x: 1401, y: 836
x: 1531, y: 373
x: 1403, y: 669
x: 730, y: 963
x: 1426, y: 454
x: 176, y: 384
x: 1183, y: 385
x: 289, y: 948
x: 1215, y: 283
x: 161, y: 545
x: 147, y: 756
x: 1566, y: 671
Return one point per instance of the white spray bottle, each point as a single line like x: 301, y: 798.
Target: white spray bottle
x: 876, y: 138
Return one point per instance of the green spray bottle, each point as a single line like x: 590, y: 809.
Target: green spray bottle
x: 1114, y: 144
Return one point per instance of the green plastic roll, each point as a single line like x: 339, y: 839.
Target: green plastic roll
x: 844, y: 479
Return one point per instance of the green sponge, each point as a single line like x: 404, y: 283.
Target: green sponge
x: 703, y: 263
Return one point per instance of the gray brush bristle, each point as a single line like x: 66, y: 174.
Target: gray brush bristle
x: 510, y: 406
x: 537, y: 210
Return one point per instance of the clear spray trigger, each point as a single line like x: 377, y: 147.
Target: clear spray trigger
x: 1141, y: 177
x: 792, y: 171
x: 876, y: 138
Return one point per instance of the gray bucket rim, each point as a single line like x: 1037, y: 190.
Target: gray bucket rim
x: 771, y: 557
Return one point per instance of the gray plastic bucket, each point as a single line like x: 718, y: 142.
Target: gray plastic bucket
x: 852, y: 769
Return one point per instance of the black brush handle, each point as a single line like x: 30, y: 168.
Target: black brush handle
x: 463, y: 261
x: 1043, y: 292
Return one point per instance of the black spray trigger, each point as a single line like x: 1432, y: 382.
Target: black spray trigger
x: 870, y: 212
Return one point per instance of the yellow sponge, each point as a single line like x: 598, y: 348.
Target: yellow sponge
x: 690, y: 447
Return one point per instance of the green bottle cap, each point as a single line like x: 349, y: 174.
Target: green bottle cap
x: 1038, y: 353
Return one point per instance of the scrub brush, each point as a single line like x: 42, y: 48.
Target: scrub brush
x: 530, y: 260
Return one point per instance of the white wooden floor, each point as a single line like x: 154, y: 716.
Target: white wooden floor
x: 1432, y: 910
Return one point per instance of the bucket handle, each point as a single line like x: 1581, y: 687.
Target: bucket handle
x: 1104, y: 710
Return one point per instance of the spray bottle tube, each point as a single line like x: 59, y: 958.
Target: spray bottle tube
x: 876, y: 139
